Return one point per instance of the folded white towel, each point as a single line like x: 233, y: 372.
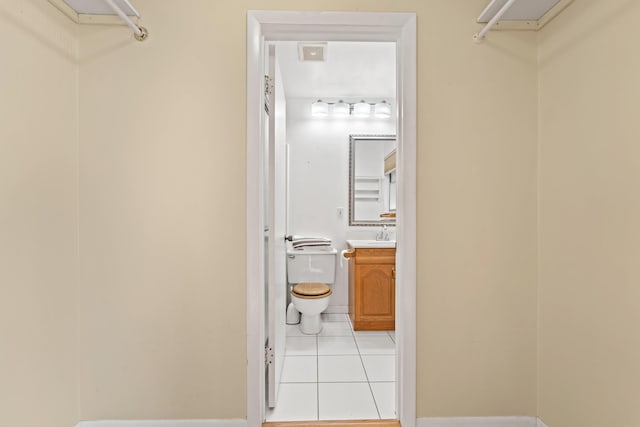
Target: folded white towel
x: 310, y: 244
x: 300, y: 241
x: 309, y: 239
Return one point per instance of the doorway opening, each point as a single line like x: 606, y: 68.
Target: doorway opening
x: 266, y: 229
x: 331, y: 178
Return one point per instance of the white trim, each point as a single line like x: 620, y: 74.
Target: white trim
x: 327, y: 26
x: 478, y: 422
x: 164, y: 423
x: 421, y: 422
x: 255, y: 228
x: 406, y: 228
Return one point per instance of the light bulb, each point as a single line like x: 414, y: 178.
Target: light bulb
x: 361, y: 109
x: 382, y: 110
x: 341, y: 109
x: 319, y: 109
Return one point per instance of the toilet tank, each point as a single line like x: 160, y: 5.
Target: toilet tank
x: 311, y: 264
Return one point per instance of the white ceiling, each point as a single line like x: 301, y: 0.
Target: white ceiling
x: 98, y: 7
x: 521, y: 10
x: 352, y: 70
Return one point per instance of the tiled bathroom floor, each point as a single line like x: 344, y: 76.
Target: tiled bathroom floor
x: 337, y: 375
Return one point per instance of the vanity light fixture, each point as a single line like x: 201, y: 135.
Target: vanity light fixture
x: 341, y: 109
x: 360, y: 109
x: 382, y: 110
x: 319, y: 109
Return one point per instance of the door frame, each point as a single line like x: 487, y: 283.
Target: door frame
x: 333, y: 26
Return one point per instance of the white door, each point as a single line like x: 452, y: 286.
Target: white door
x: 276, y: 222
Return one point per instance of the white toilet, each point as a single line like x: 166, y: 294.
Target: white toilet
x: 310, y: 271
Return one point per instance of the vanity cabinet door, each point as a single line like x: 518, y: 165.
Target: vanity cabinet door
x: 372, y: 292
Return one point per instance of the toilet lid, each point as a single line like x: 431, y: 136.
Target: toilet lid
x: 311, y: 290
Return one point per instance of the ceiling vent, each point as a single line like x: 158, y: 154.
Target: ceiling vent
x: 316, y: 52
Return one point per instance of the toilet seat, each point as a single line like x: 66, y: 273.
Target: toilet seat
x: 311, y: 290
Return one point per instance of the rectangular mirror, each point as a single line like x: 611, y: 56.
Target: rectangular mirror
x: 372, y: 180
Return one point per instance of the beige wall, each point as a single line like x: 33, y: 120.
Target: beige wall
x: 38, y: 215
x: 162, y: 212
x: 590, y: 217
x: 162, y: 315
x: 476, y: 217
x: 162, y: 217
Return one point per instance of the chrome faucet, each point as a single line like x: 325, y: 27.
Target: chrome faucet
x: 383, y: 234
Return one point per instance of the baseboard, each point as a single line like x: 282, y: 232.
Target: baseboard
x: 164, y: 423
x: 346, y: 423
x: 420, y: 422
x: 478, y: 422
x: 337, y: 309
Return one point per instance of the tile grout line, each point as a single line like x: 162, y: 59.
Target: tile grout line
x: 318, y: 377
x: 365, y: 372
x: 330, y: 336
x: 353, y: 333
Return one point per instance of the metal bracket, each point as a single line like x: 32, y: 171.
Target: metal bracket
x: 143, y: 34
x: 268, y: 85
x: 269, y: 355
x: 268, y: 90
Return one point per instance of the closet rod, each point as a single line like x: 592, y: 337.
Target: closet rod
x: 139, y: 32
x: 478, y: 37
x: 130, y: 6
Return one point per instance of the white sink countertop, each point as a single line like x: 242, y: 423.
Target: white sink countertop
x: 372, y: 243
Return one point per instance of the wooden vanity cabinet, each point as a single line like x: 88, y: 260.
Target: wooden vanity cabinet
x: 372, y: 289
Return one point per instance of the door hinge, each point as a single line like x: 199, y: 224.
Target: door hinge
x: 268, y: 90
x: 269, y: 355
x: 268, y: 86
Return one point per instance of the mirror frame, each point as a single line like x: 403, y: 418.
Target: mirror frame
x: 352, y: 170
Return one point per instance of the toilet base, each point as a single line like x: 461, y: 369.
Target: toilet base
x: 310, y: 324
x: 310, y: 309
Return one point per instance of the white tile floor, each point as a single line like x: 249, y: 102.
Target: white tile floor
x: 337, y: 375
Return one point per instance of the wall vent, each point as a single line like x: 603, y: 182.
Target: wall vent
x: 316, y: 52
